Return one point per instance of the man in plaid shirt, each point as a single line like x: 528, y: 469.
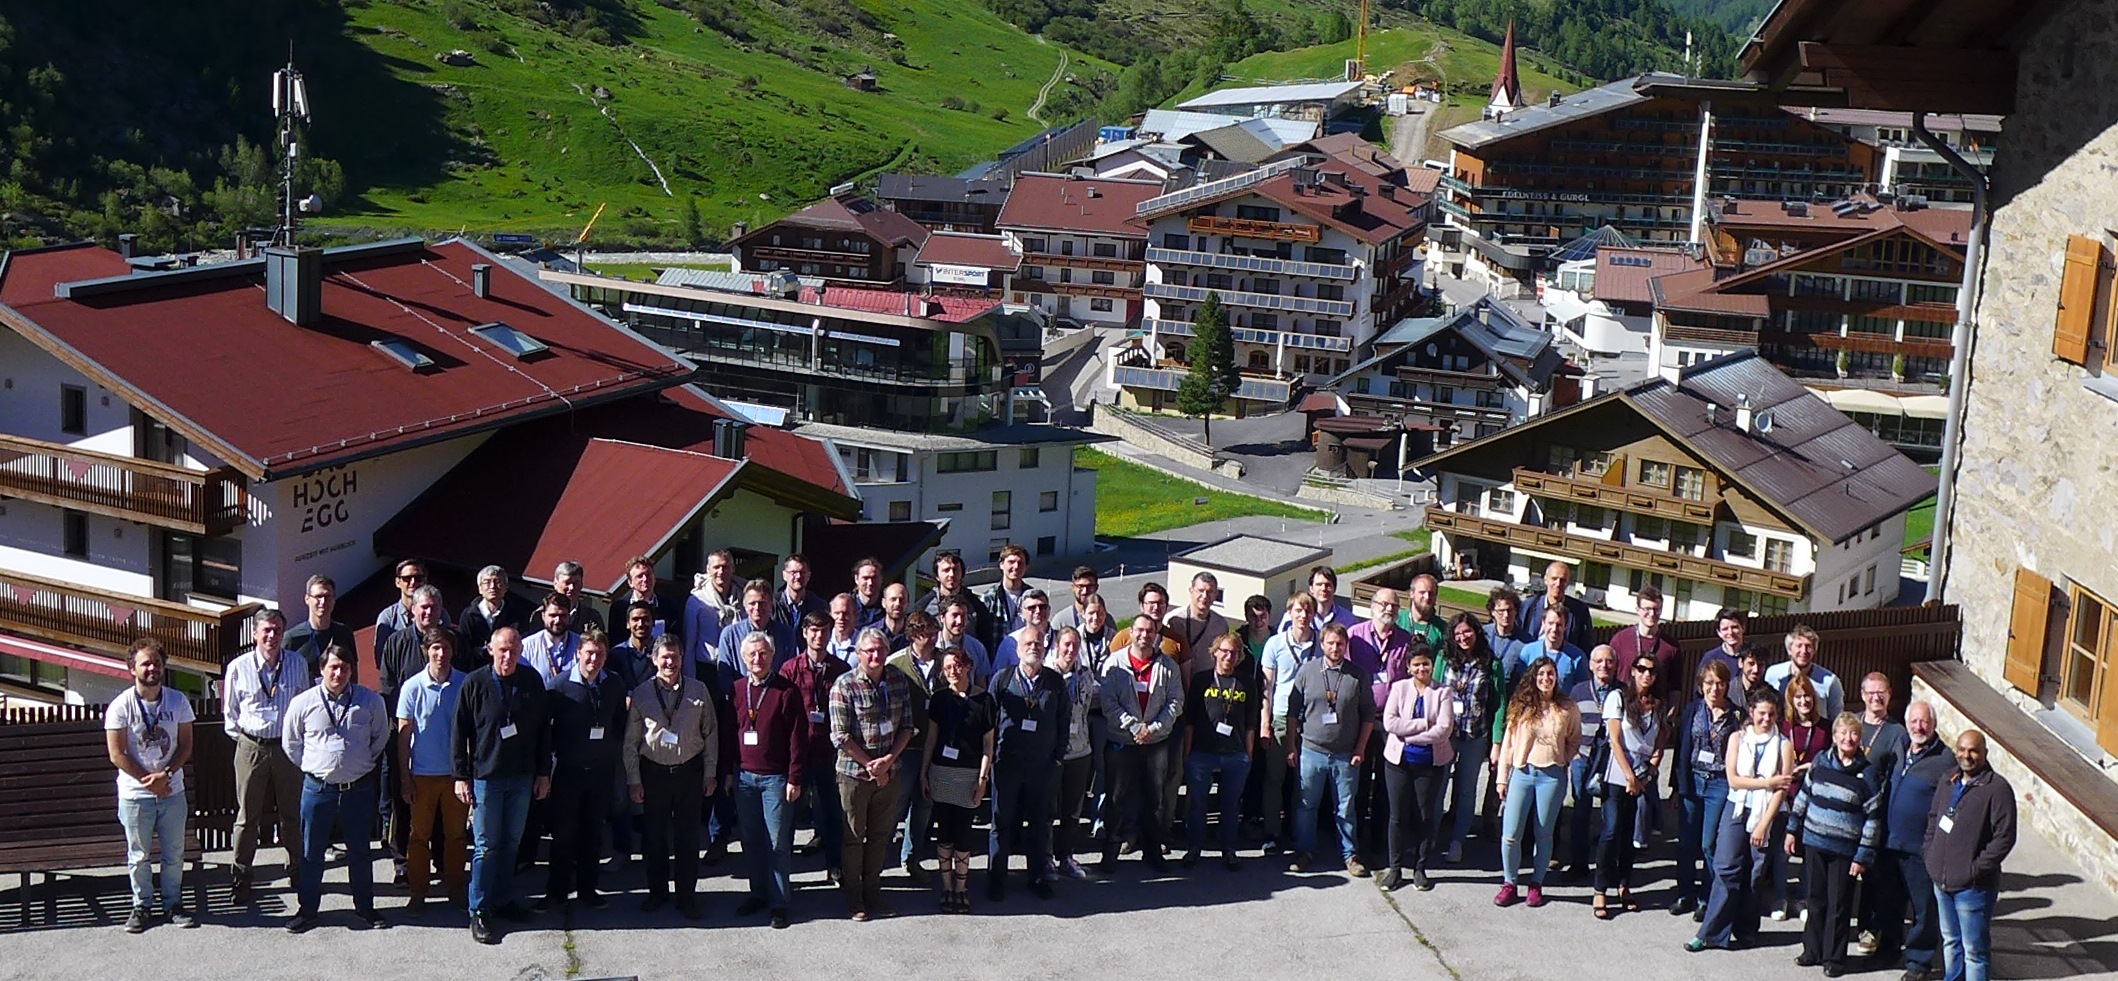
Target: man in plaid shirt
x: 871, y: 721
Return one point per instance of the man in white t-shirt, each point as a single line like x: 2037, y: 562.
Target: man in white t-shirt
x: 148, y: 732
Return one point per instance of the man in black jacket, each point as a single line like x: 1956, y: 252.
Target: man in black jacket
x: 494, y: 608
x: 1900, y: 877
x: 588, y: 731
x: 1970, y: 830
x: 641, y: 587
x: 503, y: 760
x: 1029, y: 742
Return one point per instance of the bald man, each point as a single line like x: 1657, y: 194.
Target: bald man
x: 1900, y: 878
x: 1970, y: 831
x: 1580, y: 629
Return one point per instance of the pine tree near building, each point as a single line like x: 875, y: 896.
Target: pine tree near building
x: 688, y: 223
x: 1213, y: 377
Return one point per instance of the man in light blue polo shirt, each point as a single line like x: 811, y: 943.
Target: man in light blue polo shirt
x: 1551, y: 643
x: 426, y: 724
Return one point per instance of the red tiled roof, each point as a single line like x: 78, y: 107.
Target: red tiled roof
x: 849, y: 212
x: 1622, y: 275
x: 1049, y: 201
x: 960, y: 249
x: 1422, y: 180
x: 1379, y: 219
x: 272, y: 398
x: 1349, y: 148
x: 1694, y: 291
x: 1944, y: 225
x: 946, y: 309
x: 602, y: 486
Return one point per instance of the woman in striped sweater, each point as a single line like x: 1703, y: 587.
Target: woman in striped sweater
x: 1837, y: 823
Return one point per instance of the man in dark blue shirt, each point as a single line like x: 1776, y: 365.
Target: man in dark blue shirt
x: 588, y: 730
x: 1030, y: 741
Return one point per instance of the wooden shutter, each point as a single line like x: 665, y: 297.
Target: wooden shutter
x: 2107, y: 712
x: 2026, y: 630
x: 2077, y: 299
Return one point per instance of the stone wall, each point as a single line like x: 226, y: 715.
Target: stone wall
x: 1190, y: 452
x: 2037, y: 487
x: 2038, y: 808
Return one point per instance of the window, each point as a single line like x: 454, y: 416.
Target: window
x: 1779, y: 554
x: 1685, y: 536
x: 1035, y: 245
x: 1257, y: 361
x: 73, y: 410
x: 1176, y: 240
x: 1047, y: 544
x: 1691, y: 483
x: 1103, y: 277
x: 1741, y: 544
x: 1265, y: 321
x: 1033, y: 272
x: 1656, y: 529
x: 1595, y: 464
x: 1048, y: 501
x: 1107, y: 250
x: 1759, y: 604
x: 1003, y: 515
x: 993, y: 547
x: 1500, y: 503
x: 1559, y: 459
x: 1331, y: 291
x: 1596, y: 575
x: 1026, y: 459
x: 1590, y: 516
x: 2088, y: 651
x: 1654, y: 473
x: 1253, y: 212
x: 1868, y: 582
x: 1269, y: 286
x: 1100, y: 304
x: 949, y: 508
x: 1219, y: 281
x: 900, y: 510
x: 978, y: 461
x: 74, y: 533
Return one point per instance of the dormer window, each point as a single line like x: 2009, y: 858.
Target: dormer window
x: 404, y: 354
x: 513, y: 341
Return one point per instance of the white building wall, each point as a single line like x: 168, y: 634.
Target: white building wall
x: 966, y: 501
x: 325, y: 522
x: 1848, y: 564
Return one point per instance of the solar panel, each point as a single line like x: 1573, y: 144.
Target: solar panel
x: 1225, y: 185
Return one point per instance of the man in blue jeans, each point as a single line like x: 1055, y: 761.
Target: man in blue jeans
x: 336, y: 733
x: 1970, y: 830
x: 1330, y: 715
x: 147, y: 732
x: 1221, y: 729
x: 503, y: 753
x: 772, y: 735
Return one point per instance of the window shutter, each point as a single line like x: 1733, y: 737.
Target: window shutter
x: 2107, y: 713
x: 2026, y: 630
x: 2077, y: 299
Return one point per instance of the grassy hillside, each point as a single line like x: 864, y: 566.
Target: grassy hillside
x: 1424, y: 51
x: 750, y: 128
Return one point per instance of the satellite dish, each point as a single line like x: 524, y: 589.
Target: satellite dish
x: 1764, y: 422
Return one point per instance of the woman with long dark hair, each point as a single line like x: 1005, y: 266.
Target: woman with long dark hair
x: 1633, y: 717
x: 1470, y: 672
x: 1808, y: 734
x: 1543, y: 734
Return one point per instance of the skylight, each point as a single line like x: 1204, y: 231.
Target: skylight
x: 404, y: 354
x: 512, y: 341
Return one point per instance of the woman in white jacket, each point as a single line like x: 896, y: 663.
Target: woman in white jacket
x: 1760, y: 763
x: 1419, y: 719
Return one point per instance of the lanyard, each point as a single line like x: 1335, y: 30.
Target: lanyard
x: 507, y: 705
x: 1332, y: 677
x: 148, y: 723
x: 1956, y: 796
x: 339, y: 719
x: 279, y: 671
x: 1757, y: 757
x: 595, y: 697
x: 669, y: 704
x: 753, y: 695
x: 882, y: 694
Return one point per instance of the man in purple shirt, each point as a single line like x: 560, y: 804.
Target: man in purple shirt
x: 1647, y: 638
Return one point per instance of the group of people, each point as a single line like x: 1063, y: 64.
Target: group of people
x: 684, y: 721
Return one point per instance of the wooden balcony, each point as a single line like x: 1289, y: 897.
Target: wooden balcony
x: 1104, y: 262
x: 1710, y: 335
x: 200, y: 641
x: 1554, y: 542
x: 1634, y: 499
x: 202, y: 502
x: 1251, y: 228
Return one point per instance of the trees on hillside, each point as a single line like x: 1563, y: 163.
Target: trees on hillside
x: 1213, y: 376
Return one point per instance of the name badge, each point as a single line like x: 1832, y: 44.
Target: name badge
x: 816, y: 718
x: 750, y: 737
x: 1029, y: 725
x: 1140, y: 686
x: 1705, y: 757
x: 1224, y: 729
x: 1945, y: 824
x: 948, y: 752
x: 884, y: 727
x: 507, y: 731
x: 595, y: 733
x: 1330, y: 718
x: 666, y: 738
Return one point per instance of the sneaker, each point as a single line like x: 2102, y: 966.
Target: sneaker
x: 1536, y: 897
x: 371, y: 920
x: 544, y: 904
x: 916, y: 874
x: 834, y: 876
x: 1506, y: 895
x: 1780, y: 915
x: 137, y: 922
x: 1805, y: 915
x: 1355, y: 869
x: 1683, y: 905
x: 1388, y: 880
x: 1455, y: 852
x: 1867, y: 943
x: 181, y: 918
x: 1919, y: 974
x: 1073, y: 869
x: 1420, y: 881
x: 779, y: 919
x: 595, y: 900
x: 398, y: 877
x: 1300, y: 862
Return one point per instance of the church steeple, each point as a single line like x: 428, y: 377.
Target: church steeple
x: 1507, y: 86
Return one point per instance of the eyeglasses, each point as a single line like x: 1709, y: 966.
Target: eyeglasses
x: 1643, y: 669
x: 416, y: 577
x: 1039, y: 607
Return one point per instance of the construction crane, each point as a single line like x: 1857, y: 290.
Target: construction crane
x: 581, y: 240
x: 1360, y: 45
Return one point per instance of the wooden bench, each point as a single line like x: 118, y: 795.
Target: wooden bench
x: 2060, y: 766
x: 59, y: 809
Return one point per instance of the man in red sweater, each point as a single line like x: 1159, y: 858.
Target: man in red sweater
x: 772, y: 742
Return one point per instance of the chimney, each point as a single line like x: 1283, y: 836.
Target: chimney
x: 482, y: 279
x: 294, y: 283
x: 742, y: 228
x: 128, y: 245
x: 1743, y: 413
x: 1712, y: 411
x: 728, y: 439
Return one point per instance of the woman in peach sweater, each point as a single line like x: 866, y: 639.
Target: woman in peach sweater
x: 1544, y: 733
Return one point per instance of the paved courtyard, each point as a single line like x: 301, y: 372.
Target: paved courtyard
x: 1262, y: 922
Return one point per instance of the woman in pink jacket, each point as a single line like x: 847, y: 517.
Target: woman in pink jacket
x: 1419, y: 718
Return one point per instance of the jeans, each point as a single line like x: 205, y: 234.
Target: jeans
x: 1099, y: 773
x: 913, y: 808
x: 1703, y: 800
x: 1528, y: 787
x: 324, y: 808
x: 1137, y: 775
x: 1022, y: 816
x: 1469, y: 765
x: 496, y: 832
x: 144, y: 818
x: 1900, y: 879
x: 826, y: 812
x: 1317, y: 768
x: 1415, y: 812
x: 768, y: 835
x: 1740, y: 873
x: 1966, y: 917
x: 579, y: 807
x: 1614, y: 849
x: 1199, y: 770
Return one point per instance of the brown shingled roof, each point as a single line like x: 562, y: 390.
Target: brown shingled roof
x: 1089, y: 205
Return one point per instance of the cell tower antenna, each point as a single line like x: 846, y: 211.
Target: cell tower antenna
x: 290, y: 111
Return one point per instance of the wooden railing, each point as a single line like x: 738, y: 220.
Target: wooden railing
x: 1621, y: 498
x: 202, y: 502
x: 1553, y: 541
x: 200, y: 641
x: 209, y: 779
x: 1709, y: 335
x: 1252, y: 228
x: 1106, y: 262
